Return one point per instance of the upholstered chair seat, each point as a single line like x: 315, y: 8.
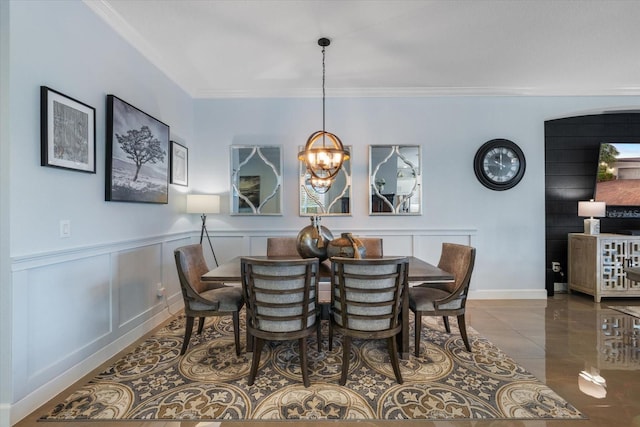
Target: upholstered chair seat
x: 423, y: 299
x: 224, y: 298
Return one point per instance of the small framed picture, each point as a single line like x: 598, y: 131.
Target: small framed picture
x: 179, y: 164
x: 67, y: 132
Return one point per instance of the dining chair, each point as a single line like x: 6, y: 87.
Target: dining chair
x: 281, y: 298
x: 204, y: 299
x: 372, y: 246
x: 448, y: 298
x: 366, y: 301
x: 282, y: 246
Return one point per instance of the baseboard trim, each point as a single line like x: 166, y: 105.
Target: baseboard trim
x: 5, y: 414
x: 509, y: 294
x: 46, y: 392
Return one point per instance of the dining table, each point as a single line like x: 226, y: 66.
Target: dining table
x: 420, y: 273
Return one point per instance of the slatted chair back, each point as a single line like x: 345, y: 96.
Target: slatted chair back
x: 281, y: 301
x: 366, y: 302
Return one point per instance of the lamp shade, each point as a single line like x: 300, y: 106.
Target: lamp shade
x: 203, y: 203
x: 592, y: 209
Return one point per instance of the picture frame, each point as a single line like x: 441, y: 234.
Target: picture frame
x: 137, y: 158
x: 67, y: 132
x: 179, y: 164
x: 249, y: 187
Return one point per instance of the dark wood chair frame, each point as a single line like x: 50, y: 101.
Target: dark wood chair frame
x: 340, y: 306
x: 253, y: 305
x: 450, y: 251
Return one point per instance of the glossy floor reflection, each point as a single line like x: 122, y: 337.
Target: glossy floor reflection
x: 555, y: 339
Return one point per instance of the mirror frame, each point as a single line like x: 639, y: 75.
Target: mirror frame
x: 236, y: 166
x: 398, y: 205
x: 345, y: 170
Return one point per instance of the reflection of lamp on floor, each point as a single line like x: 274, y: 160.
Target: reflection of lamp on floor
x: 591, y: 209
x: 203, y: 204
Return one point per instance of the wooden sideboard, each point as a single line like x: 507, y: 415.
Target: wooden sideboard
x: 597, y: 262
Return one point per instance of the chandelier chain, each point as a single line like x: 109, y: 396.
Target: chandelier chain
x: 323, y: 93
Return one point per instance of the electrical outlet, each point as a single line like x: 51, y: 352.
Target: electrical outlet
x: 555, y: 266
x: 160, y: 291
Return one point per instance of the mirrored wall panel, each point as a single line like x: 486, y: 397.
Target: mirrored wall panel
x: 395, y: 180
x: 256, y: 180
x: 336, y: 201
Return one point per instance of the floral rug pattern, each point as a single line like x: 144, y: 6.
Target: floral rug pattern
x: 210, y: 382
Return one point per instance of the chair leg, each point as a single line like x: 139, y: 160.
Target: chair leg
x: 236, y: 331
x: 319, y: 333
x: 393, y: 353
x: 445, y: 319
x: 200, y: 325
x: 249, y: 340
x: 330, y: 333
x: 257, y: 350
x: 463, y: 331
x: 303, y: 361
x: 346, y: 353
x: 188, y: 327
x: 418, y: 331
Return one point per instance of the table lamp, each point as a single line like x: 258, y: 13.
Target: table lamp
x: 592, y: 209
x: 203, y: 204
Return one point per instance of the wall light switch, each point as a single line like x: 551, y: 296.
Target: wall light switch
x: 65, y: 228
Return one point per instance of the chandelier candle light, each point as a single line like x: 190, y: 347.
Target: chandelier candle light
x: 592, y: 209
x: 324, y: 153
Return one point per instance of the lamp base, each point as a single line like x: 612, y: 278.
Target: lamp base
x: 591, y: 226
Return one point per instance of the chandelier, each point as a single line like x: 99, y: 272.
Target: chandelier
x: 324, y: 153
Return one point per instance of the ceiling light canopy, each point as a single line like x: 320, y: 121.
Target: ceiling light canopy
x: 324, y: 153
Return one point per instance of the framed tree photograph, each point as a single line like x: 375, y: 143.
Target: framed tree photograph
x: 67, y: 132
x: 137, y: 161
x: 179, y: 164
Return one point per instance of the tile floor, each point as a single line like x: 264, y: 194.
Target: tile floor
x: 555, y: 339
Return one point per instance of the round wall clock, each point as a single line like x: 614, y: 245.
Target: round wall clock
x: 499, y: 164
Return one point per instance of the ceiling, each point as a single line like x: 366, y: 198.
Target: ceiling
x: 268, y: 48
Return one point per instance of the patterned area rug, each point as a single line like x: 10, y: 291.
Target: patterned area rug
x: 210, y: 382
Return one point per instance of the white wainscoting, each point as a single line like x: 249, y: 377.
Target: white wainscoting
x: 75, y: 309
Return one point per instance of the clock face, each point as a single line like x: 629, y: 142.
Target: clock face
x: 499, y: 164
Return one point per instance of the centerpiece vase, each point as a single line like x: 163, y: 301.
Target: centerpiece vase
x: 346, y: 246
x: 313, y: 240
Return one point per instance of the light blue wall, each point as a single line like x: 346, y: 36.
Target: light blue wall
x: 509, y: 224
x: 65, y: 46
x: 5, y: 265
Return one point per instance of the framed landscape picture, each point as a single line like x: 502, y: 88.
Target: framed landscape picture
x: 249, y: 186
x: 137, y: 161
x: 179, y: 164
x: 67, y: 132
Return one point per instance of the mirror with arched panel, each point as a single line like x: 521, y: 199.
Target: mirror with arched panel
x: 256, y: 180
x: 336, y: 201
x: 395, y: 180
